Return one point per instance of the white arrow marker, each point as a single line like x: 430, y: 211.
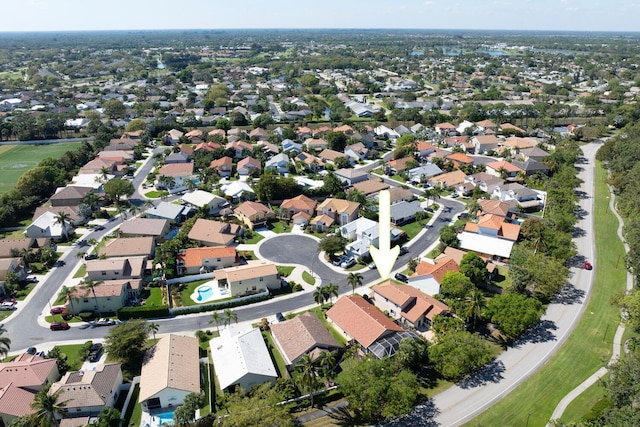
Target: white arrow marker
x: 384, y: 256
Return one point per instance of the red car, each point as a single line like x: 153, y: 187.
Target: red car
x: 59, y: 326
x: 587, y: 266
x: 57, y: 310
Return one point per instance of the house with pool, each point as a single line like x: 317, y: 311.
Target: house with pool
x: 206, y: 259
x: 249, y: 279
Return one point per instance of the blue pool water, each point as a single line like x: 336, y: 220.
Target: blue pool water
x: 204, y: 293
x: 165, y: 418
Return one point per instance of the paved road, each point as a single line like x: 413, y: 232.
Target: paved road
x: 466, y: 400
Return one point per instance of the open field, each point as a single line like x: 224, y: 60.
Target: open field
x: 17, y: 159
x: 591, y: 341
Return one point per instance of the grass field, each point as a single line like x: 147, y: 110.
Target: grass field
x: 591, y: 341
x: 17, y: 159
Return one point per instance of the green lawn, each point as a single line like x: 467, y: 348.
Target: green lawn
x: 82, y: 270
x: 154, y: 298
x: 153, y: 194
x: 17, y: 159
x: 275, y: 355
x: 502, y: 278
x: 583, y: 403
x: 73, y: 359
x: 279, y: 227
x: 413, y: 228
x: 133, y: 413
x: 188, y: 290
x: 255, y: 238
x: 285, y: 271
x: 307, y: 277
x: 584, y: 351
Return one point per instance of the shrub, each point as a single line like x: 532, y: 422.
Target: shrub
x: 86, y: 315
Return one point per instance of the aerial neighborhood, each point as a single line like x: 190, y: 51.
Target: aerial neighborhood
x: 208, y: 234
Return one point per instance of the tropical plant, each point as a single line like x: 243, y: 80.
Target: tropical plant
x: 65, y: 292
x: 62, y: 218
x: 306, y: 366
x: 354, y: 280
x: 88, y: 284
x: 153, y: 328
x: 331, y: 290
x: 5, y: 342
x: 319, y: 295
x: 230, y: 315
x: 217, y: 319
x: 47, y: 406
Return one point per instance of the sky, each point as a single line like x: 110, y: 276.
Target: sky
x: 551, y: 15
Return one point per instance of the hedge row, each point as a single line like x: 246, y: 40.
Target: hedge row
x: 221, y: 305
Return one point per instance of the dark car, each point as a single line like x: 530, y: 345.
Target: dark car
x: 57, y: 310
x: 59, y: 263
x: 280, y: 317
x: 402, y: 277
x: 587, y: 266
x: 90, y: 257
x: 59, y: 326
x: 95, y: 351
x: 31, y: 350
x: 98, y: 228
x: 403, y: 250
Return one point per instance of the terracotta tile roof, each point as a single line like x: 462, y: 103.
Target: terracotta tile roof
x: 332, y: 155
x: 493, y: 222
x: 360, y: 320
x: 460, y: 158
x: 176, y: 169
x: 344, y: 129
x: 370, y: 186
x: 26, y: 371
x: 224, y: 163
x: 172, y: 363
x: 214, y: 232
x: 220, y: 132
x: 249, y: 162
x: 16, y: 401
x: 299, y: 203
x: 424, y: 145
x: 414, y: 302
x: 339, y: 206
x: 250, y: 208
x: 193, y: 257
x: 400, y: 164
x: 517, y: 142
x: 510, y: 126
x: 495, y: 207
x: 436, y: 270
x: 10, y: 248
x: 444, y: 125
x: 324, y: 219
x: 246, y: 272
x: 107, y: 288
x: 449, y: 179
x: 510, y: 231
x: 239, y: 146
x: 207, y: 146
x: 301, y: 335
x: 486, y: 124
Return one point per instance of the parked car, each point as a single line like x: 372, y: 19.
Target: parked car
x: 31, y: 279
x: 32, y: 350
x: 57, y: 310
x: 402, y: 277
x: 372, y: 266
x: 82, y: 243
x: 95, y: 351
x: 280, y: 317
x: 587, y: 266
x: 59, y: 263
x: 403, y: 250
x: 339, y: 260
x: 105, y: 322
x: 455, y: 195
x: 90, y: 257
x: 59, y: 326
x: 348, y: 263
x: 98, y: 228
x: 8, y: 305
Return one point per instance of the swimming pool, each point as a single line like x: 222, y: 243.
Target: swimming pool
x: 165, y: 418
x: 208, y: 292
x: 205, y: 292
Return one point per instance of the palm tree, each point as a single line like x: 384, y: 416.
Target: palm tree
x: 80, y: 255
x: 153, y: 328
x: 331, y: 290
x: 148, y: 204
x: 62, y: 218
x: 66, y: 293
x: 47, y: 406
x: 121, y: 210
x: 89, y: 284
x: 167, y: 181
x: 104, y: 172
x: 217, y: 319
x: 230, y: 315
x: 354, y: 280
x: 5, y: 342
x: 134, y: 209
x: 477, y: 302
x: 306, y: 366
x: 327, y: 362
x: 318, y: 295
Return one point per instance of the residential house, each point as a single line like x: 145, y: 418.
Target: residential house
x: 370, y: 187
x: 316, y: 145
x: 362, y: 233
x: 533, y: 153
x: 301, y: 208
x: 205, y: 260
x: 289, y: 145
x: 201, y: 199
x: 399, y: 165
x: 173, y: 137
x: 310, y: 161
x: 74, y: 213
x: 128, y: 247
x: 485, y: 143
x: 461, y: 141
x: 495, y: 207
x: 238, y: 191
x: 253, y: 214
x: 96, y: 167
x: 195, y: 134
x: 428, y: 275
x: 180, y: 172
x: 115, y: 268
x: 448, y: 180
x: 423, y: 148
x: 119, y: 156
x: 328, y: 155
x: 485, y: 181
x: 485, y: 246
x: 304, y: 334
x: 11, y: 248
x: 170, y: 371
x: 351, y: 176
x: 511, y: 128
x: 69, y: 196
x: 179, y: 157
x: 47, y: 225
x: 403, y: 212
x: 487, y: 125
x: 303, y: 132
x: 107, y: 296
x: 445, y: 129
x: 268, y: 148
x: 248, y: 166
x: 214, y: 233
x: 186, y: 149
x: 332, y: 211
x: 206, y: 146
x: 398, y: 194
x: 223, y: 166
x: 345, y: 129
x: 466, y: 127
x: 13, y: 265
x: 249, y: 279
x: 258, y: 134
x: 358, y: 320
x: 494, y: 226
x: 460, y: 160
x: 138, y: 227
x: 523, y: 197
x: 20, y: 381
x: 407, y: 304
x: 241, y: 359
x: 421, y: 174
x: 356, y: 152
x: 279, y: 163
x: 88, y: 392
x: 171, y: 212
x: 515, y: 144
x: 240, y: 148
x: 387, y: 133
x: 532, y: 167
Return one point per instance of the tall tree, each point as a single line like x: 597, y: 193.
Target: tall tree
x: 354, y: 280
x: 474, y: 268
x: 116, y: 188
x: 319, y: 295
x: 306, y: 366
x: 126, y: 342
x: 332, y: 291
x: 47, y: 406
x: 332, y: 244
x: 153, y: 328
x: 230, y: 315
x: 88, y: 284
x: 5, y: 342
x: 217, y: 319
x: 62, y: 218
